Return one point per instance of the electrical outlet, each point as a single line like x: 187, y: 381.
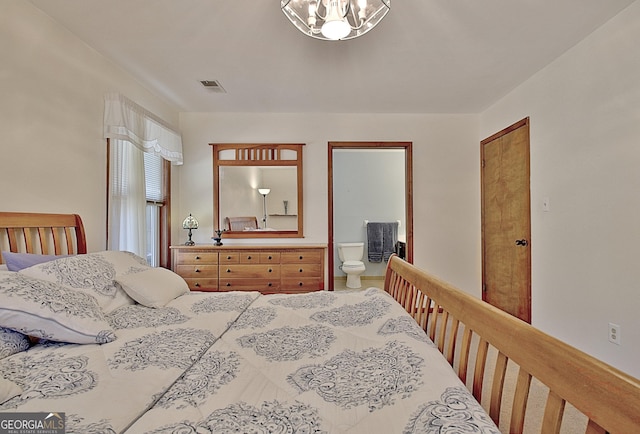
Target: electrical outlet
x: 614, y: 333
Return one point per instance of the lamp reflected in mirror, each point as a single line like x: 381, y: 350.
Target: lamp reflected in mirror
x: 264, y: 192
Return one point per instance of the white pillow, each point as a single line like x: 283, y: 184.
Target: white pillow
x: 94, y: 273
x: 8, y: 390
x: 50, y: 311
x: 154, y: 287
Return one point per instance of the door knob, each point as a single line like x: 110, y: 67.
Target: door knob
x: 521, y: 242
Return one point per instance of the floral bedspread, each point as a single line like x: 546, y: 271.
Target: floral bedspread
x: 241, y: 362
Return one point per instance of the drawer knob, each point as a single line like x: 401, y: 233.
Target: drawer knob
x: 228, y: 257
x: 270, y: 284
x: 270, y: 270
x: 197, y: 270
x: 270, y: 257
x: 300, y: 270
x: 300, y: 284
x: 249, y: 257
x: 197, y: 285
x: 228, y: 283
x: 300, y: 257
x: 228, y: 270
x: 197, y: 257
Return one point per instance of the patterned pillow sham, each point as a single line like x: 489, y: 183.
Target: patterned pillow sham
x: 154, y: 287
x: 12, y: 342
x: 50, y: 311
x: 94, y: 273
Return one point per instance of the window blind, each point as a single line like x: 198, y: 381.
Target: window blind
x: 153, y: 177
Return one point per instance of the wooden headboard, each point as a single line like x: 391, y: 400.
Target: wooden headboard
x: 240, y: 223
x: 47, y: 234
x: 467, y: 330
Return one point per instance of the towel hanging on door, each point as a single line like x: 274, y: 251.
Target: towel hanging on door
x: 381, y: 240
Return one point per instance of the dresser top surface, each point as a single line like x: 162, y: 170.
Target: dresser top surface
x: 212, y: 247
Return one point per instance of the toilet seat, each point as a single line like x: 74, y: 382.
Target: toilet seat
x: 352, y: 264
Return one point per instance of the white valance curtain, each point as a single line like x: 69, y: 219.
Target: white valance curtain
x: 126, y: 120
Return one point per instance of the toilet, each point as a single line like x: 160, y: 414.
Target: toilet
x: 351, y: 256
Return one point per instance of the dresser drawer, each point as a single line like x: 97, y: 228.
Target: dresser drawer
x: 269, y: 257
x: 200, y: 284
x: 302, y: 257
x: 196, y: 258
x: 229, y: 257
x: 304, y: 284
x: 249, y: 257
x: 301, y: 270
x: 253, y: 271
x: 198, y: 271
x: 262, y: 285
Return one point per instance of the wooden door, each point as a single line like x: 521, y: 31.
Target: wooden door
x: 506, y: 220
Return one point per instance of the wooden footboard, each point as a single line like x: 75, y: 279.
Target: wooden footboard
x: 467, y: 330
x: 47, y: 234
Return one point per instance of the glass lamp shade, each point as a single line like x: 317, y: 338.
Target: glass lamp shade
x: 190, y: 223
x: 335, y: 26
x: 264, y: 191
x: 333, y: 20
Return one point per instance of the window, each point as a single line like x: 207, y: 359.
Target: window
x: 155, y: 195
x: 138, y: 202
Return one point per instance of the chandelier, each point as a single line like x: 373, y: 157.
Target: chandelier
x: 335, y: 19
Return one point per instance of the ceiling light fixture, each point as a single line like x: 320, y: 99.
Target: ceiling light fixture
x: 335, y: 20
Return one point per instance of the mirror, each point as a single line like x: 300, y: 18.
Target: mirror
x: 258, y: 190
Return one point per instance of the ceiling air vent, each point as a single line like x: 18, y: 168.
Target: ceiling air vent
x: 213, y: 85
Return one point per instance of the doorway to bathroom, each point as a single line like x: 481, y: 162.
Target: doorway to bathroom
x: 368, y: 182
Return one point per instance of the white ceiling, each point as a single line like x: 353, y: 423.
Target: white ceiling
x: 426, y: 56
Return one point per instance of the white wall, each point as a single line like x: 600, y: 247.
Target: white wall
x: 585, y: 157
x: 52, y: 154
x: 446, y: 156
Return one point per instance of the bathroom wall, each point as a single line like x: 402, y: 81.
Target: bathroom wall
x: 368, y: 184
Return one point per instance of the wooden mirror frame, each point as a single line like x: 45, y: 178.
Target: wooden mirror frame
x: 257, y: 154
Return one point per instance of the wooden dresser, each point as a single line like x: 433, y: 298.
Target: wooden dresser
x: 264, y: 268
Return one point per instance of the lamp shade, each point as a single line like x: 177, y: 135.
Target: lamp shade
x: 190, y: 223
x: 335, y: 20
x: 264, y: 191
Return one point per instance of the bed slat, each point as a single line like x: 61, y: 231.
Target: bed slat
x: 594, y: 428
x: 465, y: 351
x: 451, y: 346
x: 553, y: 414
x: 519, y: 406
x: 497, y: 387
x: 44, y: 243
x: 481, y: 363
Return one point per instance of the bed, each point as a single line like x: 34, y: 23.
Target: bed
x: 131, y: 350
